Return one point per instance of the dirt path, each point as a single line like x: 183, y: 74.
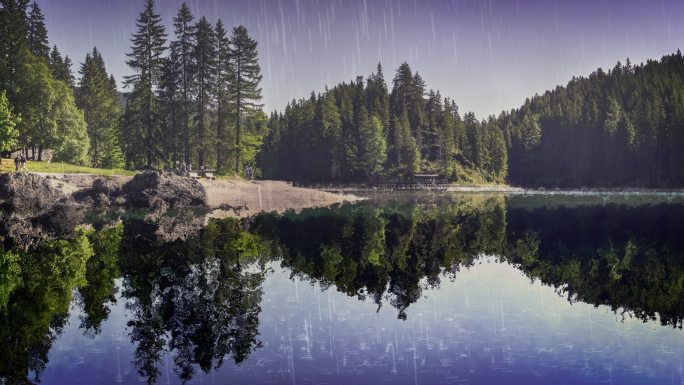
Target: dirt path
x: 265, y: 195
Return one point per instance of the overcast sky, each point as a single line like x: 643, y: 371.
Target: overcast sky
x: 487, y: 55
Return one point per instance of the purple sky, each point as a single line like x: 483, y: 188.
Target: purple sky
x: 487, y: 55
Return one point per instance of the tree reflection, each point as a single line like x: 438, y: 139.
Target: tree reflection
x: 200, y: 298
x: 388, y: 252
x: 101, y: 271
x: 627, y: 258
x: 36, y: 290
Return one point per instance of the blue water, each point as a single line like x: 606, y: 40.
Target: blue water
x: 490, y: 325
x: 489, y: 321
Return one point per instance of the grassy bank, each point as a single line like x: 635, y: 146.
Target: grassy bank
x: 8, y: 165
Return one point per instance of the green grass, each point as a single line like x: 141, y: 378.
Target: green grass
x: 8, y: 165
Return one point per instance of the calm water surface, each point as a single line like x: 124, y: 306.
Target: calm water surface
x: 472, y: 289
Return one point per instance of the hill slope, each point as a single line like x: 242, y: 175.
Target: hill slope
x: 624, y: 127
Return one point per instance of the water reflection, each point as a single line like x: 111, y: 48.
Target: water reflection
x: 190, y: 305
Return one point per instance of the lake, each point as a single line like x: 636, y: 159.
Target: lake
x: 400, y: 289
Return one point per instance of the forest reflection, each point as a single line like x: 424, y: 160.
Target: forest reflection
x: 200, y: 298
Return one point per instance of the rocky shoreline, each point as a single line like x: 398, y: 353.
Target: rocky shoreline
x: 35, y: 207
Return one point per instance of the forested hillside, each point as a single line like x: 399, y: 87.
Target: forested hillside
x: 194, y: 97
x: 359, y: 131
x: 624, y: 127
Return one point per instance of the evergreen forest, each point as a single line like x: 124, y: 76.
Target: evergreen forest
x: 194, y: 97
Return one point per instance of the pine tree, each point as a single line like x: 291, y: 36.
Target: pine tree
x: 13, y: 33
x: 433, y: 130
x: 409, y: 151
x: 61, y: 68
x: 245, y: 90
x: 374, y: 151
x: 267, y: 159
x: 377, y: 97
x: 407, y: 96
x: 98, y: 99
x: 67, y: 75
x: 204, y: 57
x: 56, y: 61
x: 182, y: 49
x: 147, y: 62
x: 37, y: 38
x: 170, y: 106
x: 224, y: 72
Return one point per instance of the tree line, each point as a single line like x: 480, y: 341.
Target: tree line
x: 361, y: 131
x: 624, y: 127
x: 193, y: 101
x: 197, y: 105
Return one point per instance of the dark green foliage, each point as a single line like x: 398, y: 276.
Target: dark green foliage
x: 8, y: 122
x: 205, y: 309
x: 627, y: 258
x: 204, y: 74
x: 37, y: 38
x: 357, y: 133
x: 142, y: 132
x: 221, y: 94
x: 50, y: 117
x: 245, y: 92
x: 181, y: 59
x: 61, y: 68
x: 14, y: 27
x: 620, y: 128
x: 171, y: 111
x: 99, y: 100
x: 38, y: 288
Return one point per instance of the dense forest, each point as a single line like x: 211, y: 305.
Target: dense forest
x: 194, y: 100
x: 624, y: 127
x: 359, y: 131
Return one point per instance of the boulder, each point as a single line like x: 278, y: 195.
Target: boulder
x: 101, y: 194
x: 161, y: 191
x: 24, y: 194
x: 32, y: 210
x: 174, y: 207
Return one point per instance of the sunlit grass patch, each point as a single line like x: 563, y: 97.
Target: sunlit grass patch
x: 31, y: 166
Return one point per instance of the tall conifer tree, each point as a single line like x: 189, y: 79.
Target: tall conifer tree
x: 182, y: 51
x: 37, y: 33
x: 98, y: 99
x: 203, y: 75
x: 245, y: 90
x: 224, y: 72
x: 147, y: 61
